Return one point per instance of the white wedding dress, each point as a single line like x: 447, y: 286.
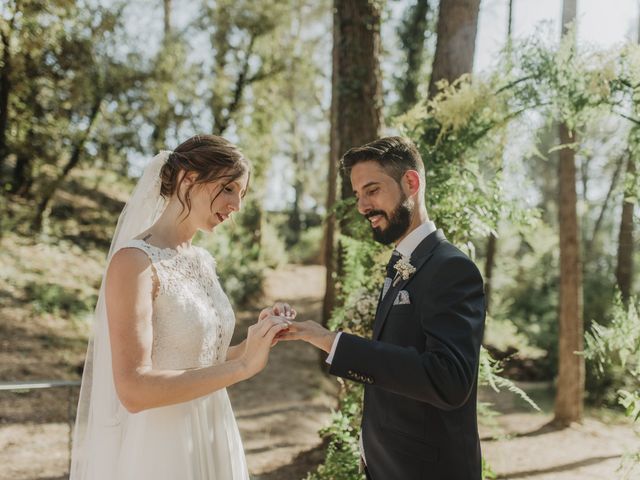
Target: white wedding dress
x: 192, y: 326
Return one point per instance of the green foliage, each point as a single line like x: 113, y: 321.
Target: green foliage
x: 308, y: 248
x: 237, y: 265
x: 355, y: 314
x: 487, y: 471
x: 62, y: 71
x: 531, y: 291
x: 489, y: 374
x: 342, y: 459
x: 615, y: 349
x: 617, y: 344
x: 57, y: 300
x: 631, y: 181
x: 461, y: 131
x: 273, y: 252
x: 237, y: 249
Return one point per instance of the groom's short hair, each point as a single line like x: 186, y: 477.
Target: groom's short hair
x: 395, y: 155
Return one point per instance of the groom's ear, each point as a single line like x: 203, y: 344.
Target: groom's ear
x: 411, y: 182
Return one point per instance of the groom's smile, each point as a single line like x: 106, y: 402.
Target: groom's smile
x: 382, y: 201
x: 376, y: 218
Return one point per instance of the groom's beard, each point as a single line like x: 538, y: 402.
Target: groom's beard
x: 397, y: 222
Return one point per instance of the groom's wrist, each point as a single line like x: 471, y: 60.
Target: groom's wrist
x: 327, y: 340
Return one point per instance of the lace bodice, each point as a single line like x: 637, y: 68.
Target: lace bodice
x: 192, y: 318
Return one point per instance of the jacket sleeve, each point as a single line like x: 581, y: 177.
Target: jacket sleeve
x: 451, y: 315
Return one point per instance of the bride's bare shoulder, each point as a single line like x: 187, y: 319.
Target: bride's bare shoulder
x: 129, y: 261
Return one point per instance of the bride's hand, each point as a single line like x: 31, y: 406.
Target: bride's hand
x: 279, y: 309
x: 260, y: 337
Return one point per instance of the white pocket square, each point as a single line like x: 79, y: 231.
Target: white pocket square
x: 402, y: 298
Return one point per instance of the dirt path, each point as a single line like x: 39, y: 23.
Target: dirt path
x: 280, y: 410
x: 522, y: 445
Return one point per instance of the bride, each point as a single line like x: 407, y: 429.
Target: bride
x: 153, y: 403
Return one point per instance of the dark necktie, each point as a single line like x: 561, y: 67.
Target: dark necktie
x: 391, y: 272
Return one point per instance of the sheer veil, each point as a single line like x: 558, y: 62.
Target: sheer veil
x: 100, y: 415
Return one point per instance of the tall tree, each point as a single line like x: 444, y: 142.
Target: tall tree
x: 242, y: 53
x: 329, y: 257
x: 624, y: 268
x: 492, y: 242
x: 357, y: 93
x: 165, y: 79
x: 571, y: 367
x: 6, y: 31
x: 412, y: 33
x: 166, y: 4
x: 456, y: 44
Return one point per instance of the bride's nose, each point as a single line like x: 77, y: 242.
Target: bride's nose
x: 236, y: 204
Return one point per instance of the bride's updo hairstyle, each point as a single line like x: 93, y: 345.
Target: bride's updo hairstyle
x: 212, y: 158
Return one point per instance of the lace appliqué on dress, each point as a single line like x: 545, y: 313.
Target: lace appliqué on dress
x: 193, y: 319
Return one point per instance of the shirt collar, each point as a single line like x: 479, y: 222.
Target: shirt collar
x: 413, y: 239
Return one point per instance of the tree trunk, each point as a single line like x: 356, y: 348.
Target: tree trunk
x: 74, y: 159
x: 492, y: 241
x: 412, y: 35
x: 167, y: 18
x: 328, y: 240
x: 22, y: 172
x: 295, y: 218
x: 488, y: 269
x: 571, y: 368
x: 624, y: 269
x: 588, y: 249
x: 359, y: 86
x: 5, y: 89
x: 356, y: 110
x: 161, y: 124
x: 22, y: 180
x: 455, y: 48
x: 224, y: 120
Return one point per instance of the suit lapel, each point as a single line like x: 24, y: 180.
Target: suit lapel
x: 419, y: 258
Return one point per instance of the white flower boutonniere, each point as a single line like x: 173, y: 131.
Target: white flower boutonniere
x: 404, y: 269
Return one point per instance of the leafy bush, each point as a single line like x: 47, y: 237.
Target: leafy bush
x: 239, y: 265
x: 273, y: 252
x: 614, y: 350
x: 58, y: 300
x: 308, y: 250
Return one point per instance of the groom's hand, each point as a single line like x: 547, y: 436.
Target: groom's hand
x: 311, y: 332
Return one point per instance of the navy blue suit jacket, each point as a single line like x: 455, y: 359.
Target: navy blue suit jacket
x: 420, y: 370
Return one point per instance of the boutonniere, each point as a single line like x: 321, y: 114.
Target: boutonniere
x: 404, y: 269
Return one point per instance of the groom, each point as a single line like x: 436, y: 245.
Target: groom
x: 420, y: 369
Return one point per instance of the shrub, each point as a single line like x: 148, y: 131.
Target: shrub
x: 308, y: 250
